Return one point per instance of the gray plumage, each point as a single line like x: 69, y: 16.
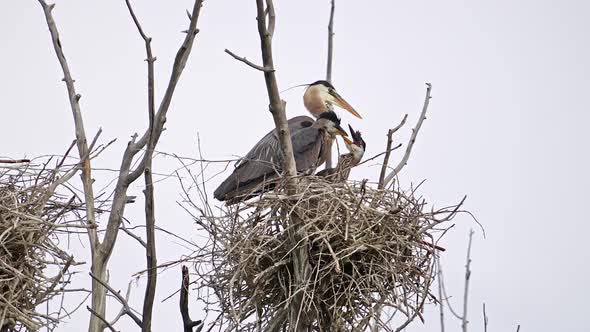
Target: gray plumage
x: 263, y: 162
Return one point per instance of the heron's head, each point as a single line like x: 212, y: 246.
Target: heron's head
x: 321, y: 95
x: 330, y: 122
x: 357, y: 145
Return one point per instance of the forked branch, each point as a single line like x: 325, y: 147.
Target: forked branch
x: 81, y: 140
x: 187, y: 322
x: 388, y: 150
x: 126, y: 308
x: 248, y: 62
x: 410, y: 145
x: 150, y: 222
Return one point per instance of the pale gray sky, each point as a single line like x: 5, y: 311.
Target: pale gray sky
x: 507, y: 123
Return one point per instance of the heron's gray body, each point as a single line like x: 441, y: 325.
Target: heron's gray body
x: 263, y: 162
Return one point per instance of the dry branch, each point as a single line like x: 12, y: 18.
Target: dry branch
x: 410, y: 145
x: 388, y: 150
x: 248, y: 62
x: 330, y: 42
x: 126, y: 308
x: 464, y: 320
x: 277, y: 106
x: 187, y: 323
x: 101, y: 252
x: 150, y: 247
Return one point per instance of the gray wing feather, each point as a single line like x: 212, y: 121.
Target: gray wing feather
x: 268, y: 146
x: 262, y: 161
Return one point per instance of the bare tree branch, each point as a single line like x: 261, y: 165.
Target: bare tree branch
x: 98, y: 293
x: 330, y: 42
x: 102, y: 319
x: 277, y: 109
x: 152, y: 263
x: 248, y: 62
x: 122, y: 311
x: 81, y: 141
x: 14, y: 161
x: 134, y: 236
x: 485, y: 319
x: 415, y: 131
x: 121, y: 300
x: 277, y: 106
x: 328, y: 161
x: 101, y: 251
x: 390, y: 133
x: 441, y: 306
x: 152, y: 277
x: 127, y: 176
x: 187, y: 322
x: 466, y: 289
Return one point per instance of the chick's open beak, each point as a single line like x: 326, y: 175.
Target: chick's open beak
x: 336, y: 99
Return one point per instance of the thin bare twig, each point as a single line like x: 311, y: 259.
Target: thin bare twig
x: 248, y: 62
x: 14, y: 161
x: 441, y: 306
x: 390, y: 133
x: 410, y: 145
x: 466, y: 288
x: 122, y: 311
x: 106, y: 323
x: 150, y: 248
x: 121, y: 300
x: 485, y: 319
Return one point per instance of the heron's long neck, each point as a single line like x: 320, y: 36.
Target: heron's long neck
x: 326, y: 150
x: 314, y: 103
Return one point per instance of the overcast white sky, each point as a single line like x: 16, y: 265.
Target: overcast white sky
x: 507, y: 124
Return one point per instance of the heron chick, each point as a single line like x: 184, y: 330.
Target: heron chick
x: 356, y: 149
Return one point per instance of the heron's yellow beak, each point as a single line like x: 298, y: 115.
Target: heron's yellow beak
x: 347, y: 140
x: 336, y: 99
x: 340, y: 131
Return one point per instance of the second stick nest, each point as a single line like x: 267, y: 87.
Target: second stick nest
x: 33, y: 268
x: 341, y: 251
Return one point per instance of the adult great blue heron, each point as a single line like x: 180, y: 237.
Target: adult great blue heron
x: 356, y: 149
x: 318, y: 98
x: 309, y: 149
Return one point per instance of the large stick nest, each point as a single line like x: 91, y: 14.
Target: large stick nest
x: 357, y: 249
x: 30, y: 215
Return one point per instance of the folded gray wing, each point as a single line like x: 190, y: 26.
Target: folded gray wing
x: 262, y: 161
x: 269, y: 143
